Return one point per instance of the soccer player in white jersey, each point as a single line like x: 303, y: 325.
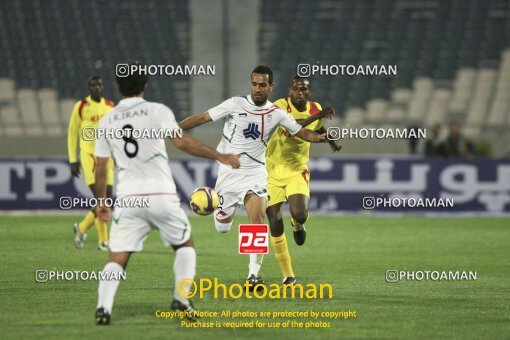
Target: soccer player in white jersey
x: 143, y: 171
x: 249, y: 122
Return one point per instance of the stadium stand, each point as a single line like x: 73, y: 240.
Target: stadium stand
x: 451, y: 58
x: 49, y: 52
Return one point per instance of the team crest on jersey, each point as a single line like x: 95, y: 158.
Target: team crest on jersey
x: 252, y: 131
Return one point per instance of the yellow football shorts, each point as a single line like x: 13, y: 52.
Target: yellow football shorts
x: 88, y: 165
x: 284, y: 181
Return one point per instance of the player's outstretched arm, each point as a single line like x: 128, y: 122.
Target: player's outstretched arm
x: 332, y: 144
x: 195, y: 120
x: 311, y: 136
x: 72, y: 140
x: 192, y: 146
x: 326, y: 113
x: 102, y: 211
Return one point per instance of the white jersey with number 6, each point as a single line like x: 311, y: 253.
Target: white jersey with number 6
x: 142, y: 163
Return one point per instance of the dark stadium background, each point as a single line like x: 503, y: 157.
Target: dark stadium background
x: 450, y: 55
x: 453, y: 60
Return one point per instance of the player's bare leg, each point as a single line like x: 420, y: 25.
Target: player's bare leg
x: 117, y: 263
x: 298, y: 206
x: 274, y: 215
x: 121, y: 258
x: 255, y: 208
x: 279, y: 242
x: 184, y: 268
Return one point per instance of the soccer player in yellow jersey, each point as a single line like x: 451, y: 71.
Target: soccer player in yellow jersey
x: 86, y: 114
x: 288, y: 175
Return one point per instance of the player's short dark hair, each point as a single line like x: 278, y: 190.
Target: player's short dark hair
x: 263, y: 69
x: 94, y: 77
x: 132, y: 84
x: 301, y: 78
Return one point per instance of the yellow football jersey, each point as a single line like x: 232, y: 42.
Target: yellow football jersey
x: 285, y: 148
x: 86, y: 113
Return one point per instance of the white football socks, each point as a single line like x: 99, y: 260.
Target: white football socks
x: 184, y: 267
x: 255, y: 264
x: 222, y: 227
x: 108, y: 288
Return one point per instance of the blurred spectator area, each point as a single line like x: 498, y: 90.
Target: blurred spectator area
x: 453, y: 58
x: 50, y: 49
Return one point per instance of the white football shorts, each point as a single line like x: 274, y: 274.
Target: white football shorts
x: 131, y: 226
x: 232, y: 187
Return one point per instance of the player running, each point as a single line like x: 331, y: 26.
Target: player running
x: 289, y: 178
x: 250, y: 120
x: 144, y: 172
x: 86, y: 115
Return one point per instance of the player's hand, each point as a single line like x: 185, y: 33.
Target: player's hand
x: 327, y: 112
x: 103, y: 213
x: 335, y: 147
x: 75, y: 169
x: 230, y: 159
x: 323, y: 138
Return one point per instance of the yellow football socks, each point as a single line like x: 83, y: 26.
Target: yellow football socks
x: 102, y: 231
x: 87, y: 222
x: 282, y: 255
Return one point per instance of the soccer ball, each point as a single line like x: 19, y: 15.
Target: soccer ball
x: 204, y: 200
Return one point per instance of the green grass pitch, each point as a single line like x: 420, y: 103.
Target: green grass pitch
x: 351, y: 253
